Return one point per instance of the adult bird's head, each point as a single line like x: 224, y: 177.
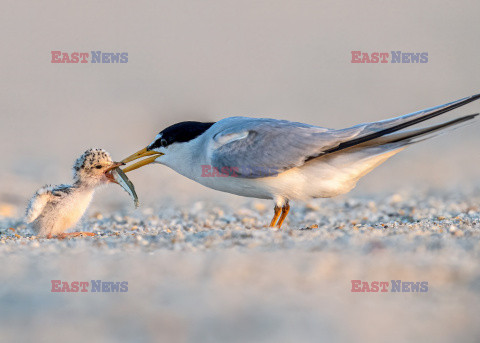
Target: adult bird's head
x: 167, y: 143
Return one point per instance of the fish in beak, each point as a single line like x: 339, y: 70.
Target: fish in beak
x: 108, y: 172
x: 140, y: 154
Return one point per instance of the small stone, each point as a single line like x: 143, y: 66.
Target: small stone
x: 179, y: 236
x: 311, y: 206
x: 97, y: 215
x: 259, y: 206
x: 396, y: 198
x: 7, y: 210
x: 248, y: 221
x: 141, y: 240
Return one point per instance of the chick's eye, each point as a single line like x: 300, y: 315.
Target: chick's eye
x: 98, y: 166
x: 163, y: 142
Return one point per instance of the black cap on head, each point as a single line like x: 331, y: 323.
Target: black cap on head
x: 180, y: 132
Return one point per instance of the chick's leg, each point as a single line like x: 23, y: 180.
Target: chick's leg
x: 74, y: 234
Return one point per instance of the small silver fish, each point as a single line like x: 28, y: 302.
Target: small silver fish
x: 125, y: 183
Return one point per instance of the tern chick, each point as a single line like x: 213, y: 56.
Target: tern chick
x: 54, y: 209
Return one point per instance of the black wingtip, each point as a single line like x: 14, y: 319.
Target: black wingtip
x: 472, y: 116
x: 437, y: 127
x: 398, y: 127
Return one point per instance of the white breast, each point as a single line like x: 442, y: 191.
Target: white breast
x: 57, y: 217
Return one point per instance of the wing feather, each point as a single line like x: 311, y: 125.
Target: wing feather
x: 37, y: 203
x: 265, y: 147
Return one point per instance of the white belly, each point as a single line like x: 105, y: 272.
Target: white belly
x: 59, y: 217
x: 320, y: 178
x: 295, y: 184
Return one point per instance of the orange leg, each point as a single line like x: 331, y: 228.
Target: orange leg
x: 74, y: 234
x: 275, y: 216
x: 285, y: 210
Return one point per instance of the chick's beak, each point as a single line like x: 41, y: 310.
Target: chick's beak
x: 140, y: 154
x: 108, y: 173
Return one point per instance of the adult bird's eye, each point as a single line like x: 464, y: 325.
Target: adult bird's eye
x: 163, y: 142
x: 98, y: 166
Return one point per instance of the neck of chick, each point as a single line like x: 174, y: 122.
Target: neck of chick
x: 81, y: 194
x: 86, y: 184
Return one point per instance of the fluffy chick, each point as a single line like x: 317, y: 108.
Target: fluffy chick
x: 54, y: 209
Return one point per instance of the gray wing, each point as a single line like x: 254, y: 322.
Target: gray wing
x: 255, y: 148
x: 265, y: 147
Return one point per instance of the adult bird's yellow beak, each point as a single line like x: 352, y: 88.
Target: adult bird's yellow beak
x: 140, y: 154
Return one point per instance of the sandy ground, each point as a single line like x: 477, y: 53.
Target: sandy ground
x: 209, y: 271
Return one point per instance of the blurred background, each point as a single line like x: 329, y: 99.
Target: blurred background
x: 206, y: 60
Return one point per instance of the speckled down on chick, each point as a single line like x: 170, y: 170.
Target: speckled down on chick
x: 54, y: 209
